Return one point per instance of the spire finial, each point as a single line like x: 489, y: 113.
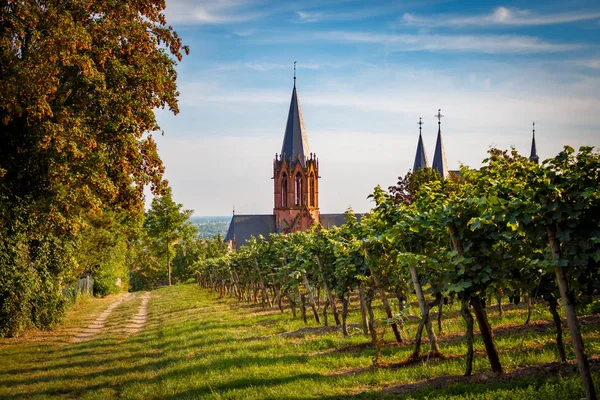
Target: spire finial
x: 420, y: 123
x: 234, y: 209
x: 533, y: 128
x: 439, y: 116
x: 294, y: 73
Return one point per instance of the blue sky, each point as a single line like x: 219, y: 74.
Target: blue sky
x: 367, y: 70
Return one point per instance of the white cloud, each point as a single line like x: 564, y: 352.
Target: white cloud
x: 491, y: 44
x: 306, y: 16
x: 591, y: 63
x: 501, y: 16
x: 210, y: 11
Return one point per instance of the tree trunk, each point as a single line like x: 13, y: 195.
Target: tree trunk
x: 499, y: 298
x: 278, y: 296
x: 303, y: 308
x: 263, y: 289
x: 528, y: 310
x: 292, y: 305
x: 168, y: 261
x: 466, y: 314
x: 553, y: 304
x: 563, y: 287
x: 363, y: 308
x: 328, y: 292
x: 344, y: 315
x: 386, y: 305
x: 434, y: 347
x: 486, y: 334
x: 325, y: 305
x: 311, y: 299
x: 372, y: 329
x: 439, y: 315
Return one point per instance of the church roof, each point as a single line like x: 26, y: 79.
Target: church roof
x: 421, y: 157
x: 295, y: 141
x: 243, y: 227
x: 328, y: 221
x: 439, y: 157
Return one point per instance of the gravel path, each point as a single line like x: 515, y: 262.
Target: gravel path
x: 138, y: 322
x: 95, y: 327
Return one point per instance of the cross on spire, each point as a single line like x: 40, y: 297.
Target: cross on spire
x: 439, y: 116
x: 533, y: 128
x: 420, y: 123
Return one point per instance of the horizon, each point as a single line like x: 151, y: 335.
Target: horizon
x: 365, y: 74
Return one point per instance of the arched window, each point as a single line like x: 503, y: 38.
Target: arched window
x: 298, y: 189
x: 312, y: 190
x: 284, y: 190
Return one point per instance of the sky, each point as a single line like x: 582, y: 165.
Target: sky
x: 366, y: 72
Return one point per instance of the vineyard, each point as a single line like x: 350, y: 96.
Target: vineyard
x: 513, y: 231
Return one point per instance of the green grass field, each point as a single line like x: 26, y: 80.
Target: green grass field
x: 196, y: 345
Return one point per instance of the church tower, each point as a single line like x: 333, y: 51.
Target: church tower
x: 295, y: 175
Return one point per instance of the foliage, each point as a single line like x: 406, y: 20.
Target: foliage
x: 80, y: 82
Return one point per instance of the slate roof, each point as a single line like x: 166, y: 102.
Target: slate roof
x: 242, y: 227
x: 295, y: 140
x: 439, y: 157
x: 421, y: 156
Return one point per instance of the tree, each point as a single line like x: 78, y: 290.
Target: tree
x: 80, y: 81
x: 166, y: 224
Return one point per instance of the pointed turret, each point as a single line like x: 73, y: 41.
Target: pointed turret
x: 295, y: 141
x: 533, y: 155
x: 439, y: 157
x: 421, y: 156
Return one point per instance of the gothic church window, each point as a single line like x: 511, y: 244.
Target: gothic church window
x: 298, y: 190
x: 284, y: 190
x: 312, y: 190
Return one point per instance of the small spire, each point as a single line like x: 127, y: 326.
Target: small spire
x: 234, y: 209
x: 439, y: 156
x: 533, y: 155
x: 294, y: 73
x: 421, y: 156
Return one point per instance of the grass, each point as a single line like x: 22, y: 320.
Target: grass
x: 196, y: 345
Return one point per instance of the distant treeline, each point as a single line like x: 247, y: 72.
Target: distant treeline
x: 209, y: 227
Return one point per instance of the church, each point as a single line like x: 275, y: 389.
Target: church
x: 296, y: 188
x: 296, y: 183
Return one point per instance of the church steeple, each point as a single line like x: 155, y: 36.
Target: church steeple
x: 439, y: 157
x: 296, y: 195
x: 533, y: 155
x: 421, y: 156
x: 295, y: 142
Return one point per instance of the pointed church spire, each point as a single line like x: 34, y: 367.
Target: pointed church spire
x: 533, y: 156
x: 439, y: 157
x: 421, y: 156
x: 295, y: 141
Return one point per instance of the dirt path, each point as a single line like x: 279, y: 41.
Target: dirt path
x: 95, y: 327
x: 138, y: 322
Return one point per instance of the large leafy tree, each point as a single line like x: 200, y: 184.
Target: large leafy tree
x: 167, y: 223
x: 80, y: 81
